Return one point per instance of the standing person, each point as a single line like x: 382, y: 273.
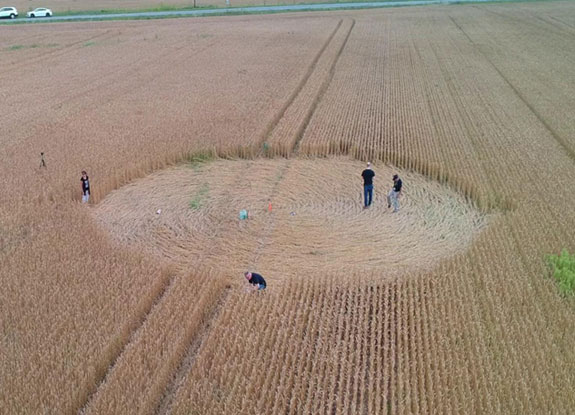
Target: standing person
x: 394, y: 193
x: 85, y: 187
x: 368, y: 176
x: 256, y: 280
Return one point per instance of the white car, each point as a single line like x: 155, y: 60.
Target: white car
x: 39, y: 12
x: 8, y: 12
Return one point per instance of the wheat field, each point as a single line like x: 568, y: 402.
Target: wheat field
x: 444, y: 307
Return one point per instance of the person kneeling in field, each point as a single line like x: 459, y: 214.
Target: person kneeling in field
x: 394, y: 193
x: 256, y: 280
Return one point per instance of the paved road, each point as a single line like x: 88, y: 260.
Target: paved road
x: 247, y: 10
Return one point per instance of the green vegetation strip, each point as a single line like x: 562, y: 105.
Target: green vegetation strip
x: 563, y: 269
x: 200, y: 197
x: 33, y: 46
x: 198, y: 159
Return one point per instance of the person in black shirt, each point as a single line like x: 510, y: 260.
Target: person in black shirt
x: 256, y: 280
x: 394, y: 193
x: 85, y: 187
x: 368, y: 176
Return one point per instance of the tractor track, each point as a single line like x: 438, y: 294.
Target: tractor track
x: 570, y: 152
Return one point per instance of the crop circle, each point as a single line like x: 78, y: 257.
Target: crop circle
x: 305, y: 217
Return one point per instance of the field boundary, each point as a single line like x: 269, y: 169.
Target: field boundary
x: 233, y: 11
